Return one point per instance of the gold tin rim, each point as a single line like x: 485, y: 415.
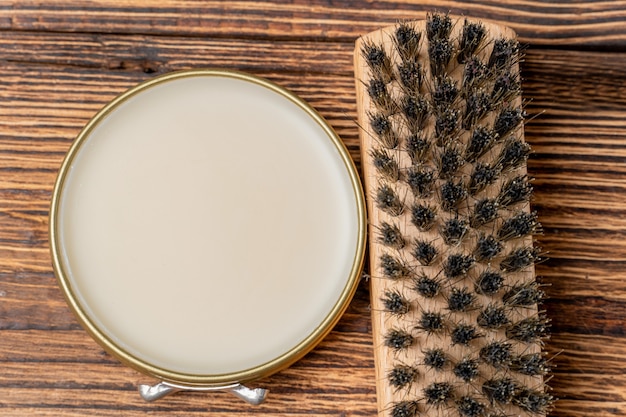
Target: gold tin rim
x: 263, y: 370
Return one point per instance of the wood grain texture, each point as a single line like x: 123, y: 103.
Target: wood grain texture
x: 589, y: 23
x: 62, y: 61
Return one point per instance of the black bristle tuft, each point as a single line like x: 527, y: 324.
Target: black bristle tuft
x: 471, y: 39
x: 454, y: 230
x: 515, y: 190
x: 530, y: 330
x: 388, y: 201
x: 438, y: 26
x: 507, y: 120
x: 440, y: 52
x: 407, y: 41
x: 402, y: 376
x: 416, y: 111
x: 482, y: 176
x: 533, y: 401
x: 435, y: 359
x: 397, y: 339
x: 378, y: 61
x: 520, y: 225
x: 424, y: 252
x: 481, y: 141
x: 489, y: 282
x: 438, y: 393
x: 460, y: 299
x: 421, y: 180
x: 485, y: 211
x: 383, y: 128
x: 469, y: 407
x: 427, y: 287
x: 395, y: 303
x: 417, y: 147
x: 431, y: 322
x: 487, y: 248
x: 446, y: 125
x: 514, y: 154
x: 506, y: 86
x: 475, y: 73
x: 477, y: 106
x: 500, y: 390
x: 411, y: 77
x: 393, y: 268
x: 423, y: 216
x: 386, y: 166
x: 444, y: 93
x: 377, y: 90
x: 527, y: 294
x: 463, y: 334
x: 519, y: 259
x: 390, y: 235
x: 452, y: 193
x: 466, y: 369
x: 380, y: 123
x: 457, y: 265
x: 504, y: 54
x: 493, y: 317
x: 404, y: 409
x: 449, y: 161
x: 530, y: 364
x: 497, y: 354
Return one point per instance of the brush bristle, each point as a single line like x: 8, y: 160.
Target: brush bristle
x: 456, y: 318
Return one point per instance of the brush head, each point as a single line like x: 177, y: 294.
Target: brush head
x: 445, y: 168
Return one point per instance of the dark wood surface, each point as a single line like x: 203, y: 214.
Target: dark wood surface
x: 62, y: 61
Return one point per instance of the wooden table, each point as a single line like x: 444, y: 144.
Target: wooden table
x: 61, y: 61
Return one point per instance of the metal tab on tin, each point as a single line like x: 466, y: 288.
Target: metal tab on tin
x: 253, y: 396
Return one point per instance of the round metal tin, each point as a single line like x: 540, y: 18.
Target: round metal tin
x: 175, y: 377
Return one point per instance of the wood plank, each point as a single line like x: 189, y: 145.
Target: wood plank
x: 585, y: 353
x: 588, y: 23
x: 316, y: 400
x: 158, y: 54
x: 68, y: 370
x: 575, y: 278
